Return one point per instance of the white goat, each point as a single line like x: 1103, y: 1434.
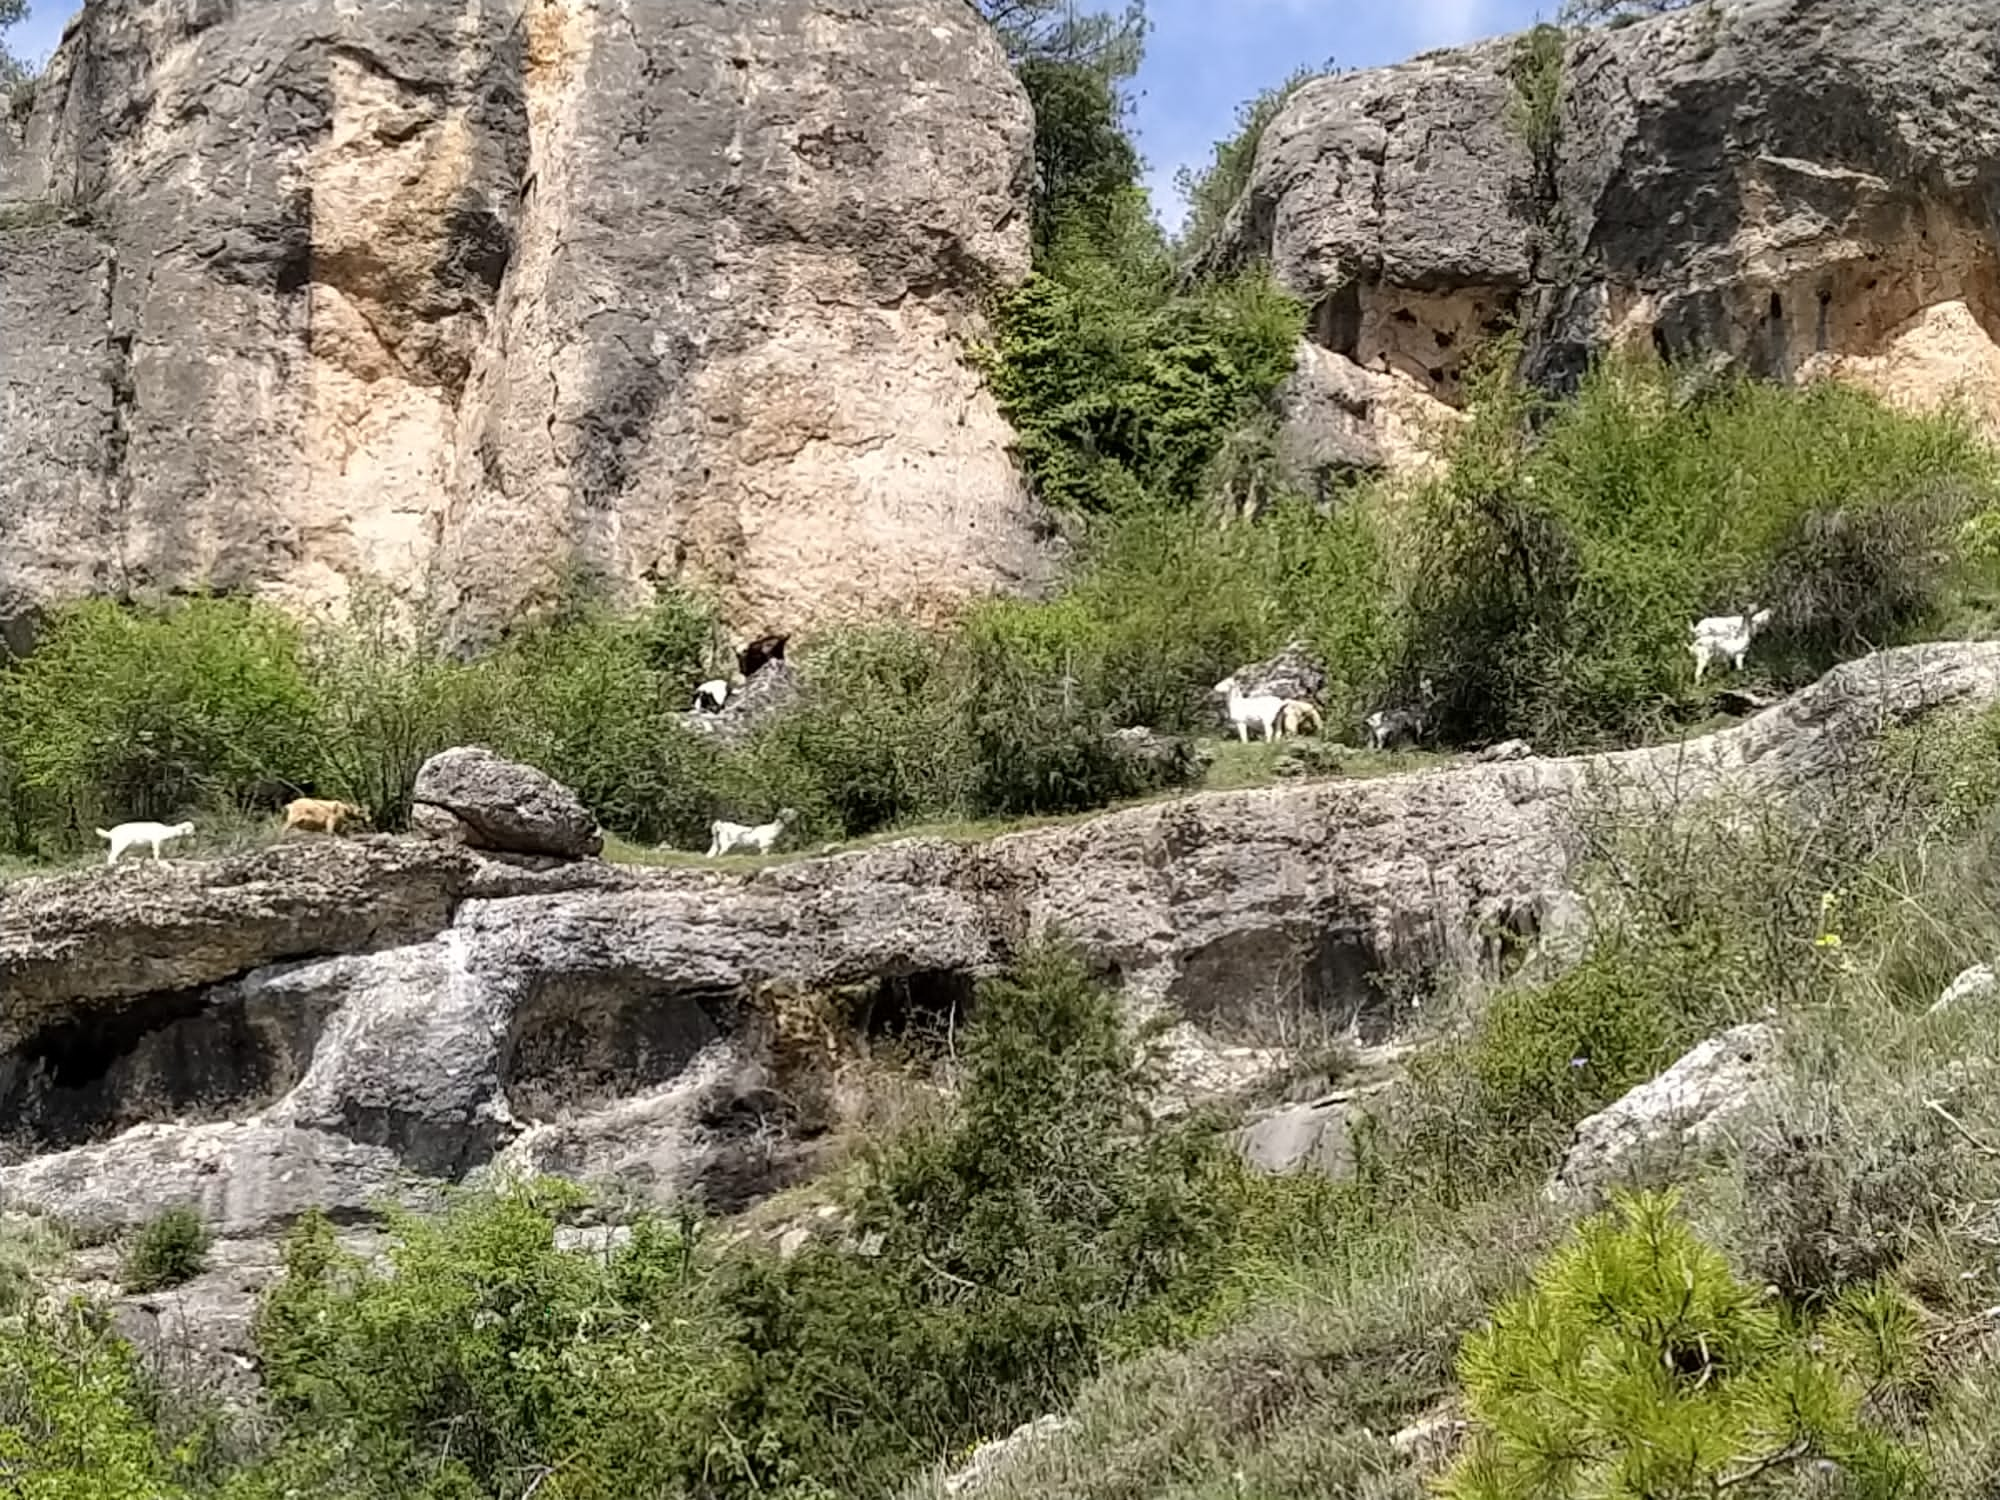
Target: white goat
x: 711, y: 695
x: 125, y: 835
x: 1260, y: 708
x: 725, y: 838
x: 1728, y: 636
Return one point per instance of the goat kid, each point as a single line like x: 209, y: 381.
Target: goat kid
x: 1725, y: 636
x: 711, y: 695
x: 1264, y: 709
x: 725, y: 838
x: 1296, y: 715
x: 126, y: 835
x: 320, y: 815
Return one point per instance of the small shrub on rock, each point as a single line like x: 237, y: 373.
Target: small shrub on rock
x: 168, y: 1250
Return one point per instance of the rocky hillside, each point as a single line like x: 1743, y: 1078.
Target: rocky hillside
x: 1791, y: 187
x: 457, y: 296
x: 323, y: 1025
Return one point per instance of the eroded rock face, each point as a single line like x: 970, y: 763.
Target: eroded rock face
x: 1800, y: 187
x: 296, y: 292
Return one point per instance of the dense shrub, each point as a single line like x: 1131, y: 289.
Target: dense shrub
x: 170, y: 1248
x: 1123, y: 392
x: 123, y: 714
x: 1639, y: 1365
x: 1557, y: 572
x: 74, y: 1418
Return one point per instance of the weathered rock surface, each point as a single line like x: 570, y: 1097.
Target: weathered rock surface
x: 1795, y: 187
x: 1295, y: 672
x: 491, y: 803
x: 318, y: 1022
x: 294, y: 292
x: 1691, y: 1107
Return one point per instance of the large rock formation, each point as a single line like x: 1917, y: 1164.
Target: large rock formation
x: 1797, y: 187
x: 455, y: 296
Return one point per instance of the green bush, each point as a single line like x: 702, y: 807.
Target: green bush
x: 169, y: 1249
x: 884, y: 730
x: 1123, y: 394
x: 122, y: 714
x: 1556, y: 577
x: 75, y: 1420
x: 388, y: 698
x: 1639, y: 1366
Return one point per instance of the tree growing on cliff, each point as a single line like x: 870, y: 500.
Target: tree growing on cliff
x: 12, y: 69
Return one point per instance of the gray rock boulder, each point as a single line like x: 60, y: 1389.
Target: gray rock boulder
x: 775, y: 690
x: 1712, y: 1092
x: 1789, y: 187
x: 474, y: 797
x: 1295, y: 672
x: 297, y: 293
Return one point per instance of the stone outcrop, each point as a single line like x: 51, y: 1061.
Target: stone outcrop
x: 473, y: 797
x: 1717, y: 1088
x: 1793, y: 187
x: 327, y: 1022
x: 297, y: 292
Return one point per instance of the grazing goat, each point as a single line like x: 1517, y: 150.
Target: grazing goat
x: 1725, y: 636
x: 125, y: 835
x: 1390, y: 727
x: 318, y: 815
x: 1261, y: 708
x: 1296, y: 714
x: 711, y: 695
x: 725, y: 838
x: 766, y: 648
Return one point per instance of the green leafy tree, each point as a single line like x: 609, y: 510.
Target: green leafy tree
x: 12, y: 69
x: 1638, y: 1367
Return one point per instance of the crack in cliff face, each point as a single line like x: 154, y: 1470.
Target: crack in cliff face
x: 117, y: 470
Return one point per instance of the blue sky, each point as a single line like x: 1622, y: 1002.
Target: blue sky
x: 1204, y: 57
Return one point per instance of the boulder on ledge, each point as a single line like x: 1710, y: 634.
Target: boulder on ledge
x: 473, y: 797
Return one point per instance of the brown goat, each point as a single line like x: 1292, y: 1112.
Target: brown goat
x: 317, y: 815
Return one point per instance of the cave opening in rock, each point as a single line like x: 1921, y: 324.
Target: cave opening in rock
x: 1297, y: 986
x: 581, y: 1042
x: 193, y: 1055
x: 925, y: 1012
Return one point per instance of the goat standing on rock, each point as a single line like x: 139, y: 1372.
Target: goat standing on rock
x: 725, y: 838
x: 125, y: 835
x: 1725, y: 636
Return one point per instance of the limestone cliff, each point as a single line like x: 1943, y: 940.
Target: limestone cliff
x: 1796, y: 187
x: 459, y: 294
